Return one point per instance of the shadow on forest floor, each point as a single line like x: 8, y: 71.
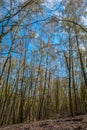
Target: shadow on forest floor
x: 66, y: 123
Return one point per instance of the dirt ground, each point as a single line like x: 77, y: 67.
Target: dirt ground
x: 66, y: 123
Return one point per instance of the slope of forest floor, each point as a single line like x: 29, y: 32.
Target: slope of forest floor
x: 66, y: 123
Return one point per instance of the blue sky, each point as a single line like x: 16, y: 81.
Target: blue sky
x: 52, y: 8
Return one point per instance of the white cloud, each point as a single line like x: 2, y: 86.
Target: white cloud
x: 36, y: 35
x: 84, y: 20
x: 51, y: 3
x: 58, y: 13
x: 22, y: 0
x: 82, y: 47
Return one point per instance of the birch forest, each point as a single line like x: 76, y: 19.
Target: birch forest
x: 43, y: 60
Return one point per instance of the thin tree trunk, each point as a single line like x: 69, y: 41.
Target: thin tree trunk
x: 42, y: 100
x: 81, y: 63
x: 74, y: 88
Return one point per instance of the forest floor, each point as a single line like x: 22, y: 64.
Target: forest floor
x: 66, y: 123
